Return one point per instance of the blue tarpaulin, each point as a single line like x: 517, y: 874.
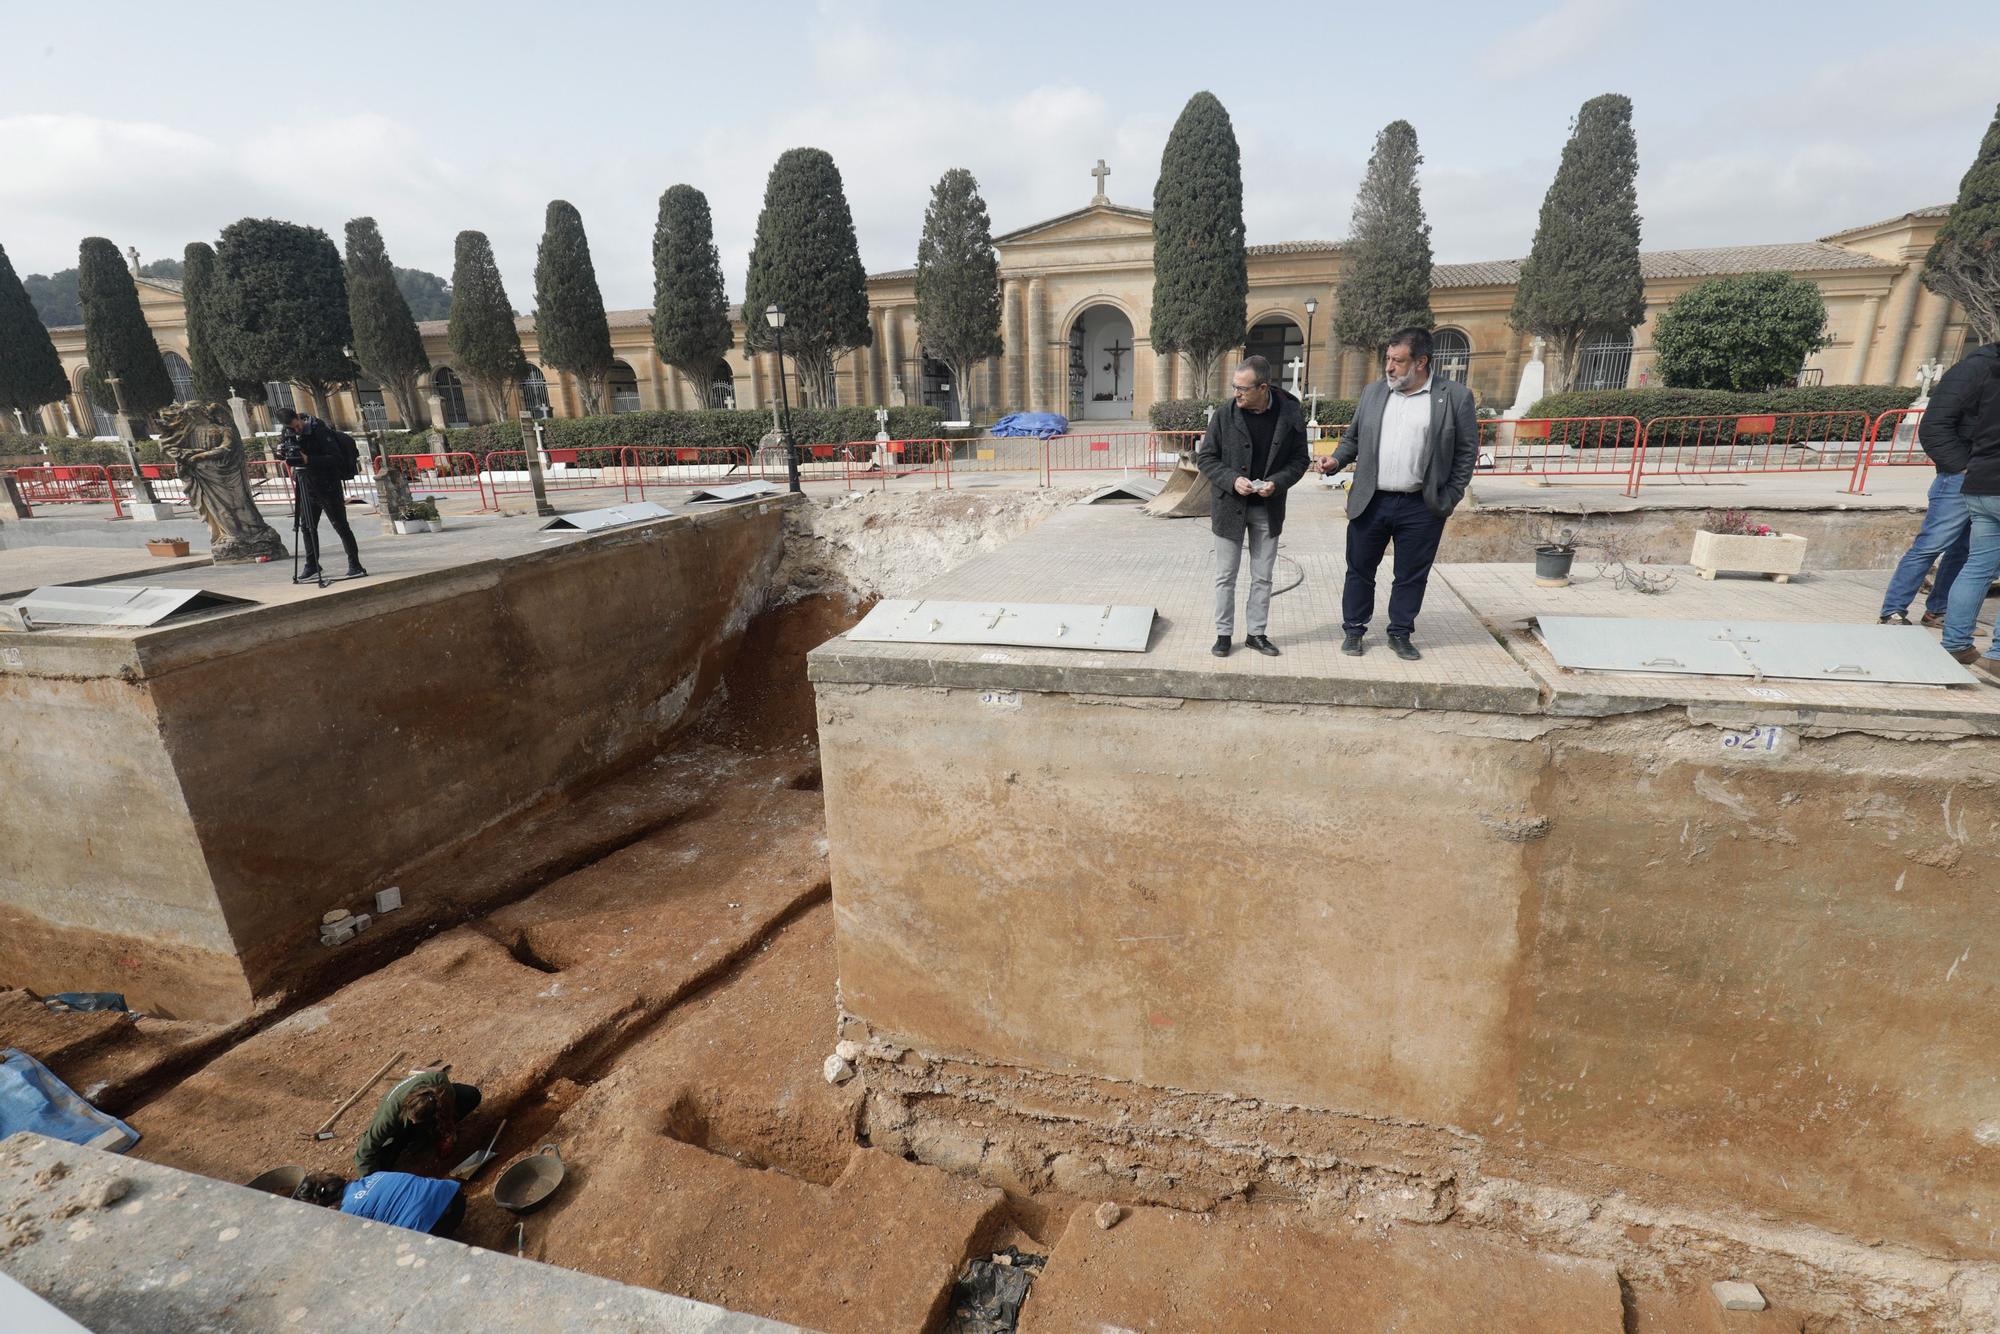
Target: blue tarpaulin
x: 33, y: 1099
x: 1039, y: 424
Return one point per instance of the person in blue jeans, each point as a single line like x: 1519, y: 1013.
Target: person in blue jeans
x: 400, y: 1199
x: 1941, y: 541
x: 1967, y: 434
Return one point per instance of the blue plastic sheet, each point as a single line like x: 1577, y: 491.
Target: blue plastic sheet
x: 1038, y: 424
x: 33, y: 1099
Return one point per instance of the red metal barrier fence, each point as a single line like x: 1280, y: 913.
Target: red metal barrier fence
x: 1548, y: 447
x: 662, y: 466
x: 446, y: 473
x: 68, y: 484
x: 1082, y: 451
x: 879, y: 460
x: 1767, y: 442
x: 1895, y: 447
x: 505, y: 471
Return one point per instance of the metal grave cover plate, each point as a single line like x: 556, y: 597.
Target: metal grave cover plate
x: 615, y: 516
x: 717, y: 495
x: 1097, y: 626
x: 1789, y: 650
x: 1129, y: 488
x: 122, y: 605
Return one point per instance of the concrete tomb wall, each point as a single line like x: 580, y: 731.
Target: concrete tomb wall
x: 184, y: 803
x: 1604, y: 952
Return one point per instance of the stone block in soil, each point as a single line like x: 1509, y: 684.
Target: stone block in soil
x: 1165, y: 1269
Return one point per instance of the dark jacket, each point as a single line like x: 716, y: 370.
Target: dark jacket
x: 1964, y: 407
x: 1452, y: 453
x: 1224, y: 456
x: 315, y: 440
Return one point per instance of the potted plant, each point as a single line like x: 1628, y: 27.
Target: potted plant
x: 1555, y: 550
x: 419, y: 516
x: 1731, y: 540
x: 167, y: 546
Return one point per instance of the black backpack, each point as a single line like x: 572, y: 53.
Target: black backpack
x: 349, y: 454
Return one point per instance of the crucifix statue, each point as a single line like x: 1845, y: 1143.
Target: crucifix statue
x: 1100, y: 171
x: 1117, y: 363
x: 132, y: 259
x: 1294, y: 366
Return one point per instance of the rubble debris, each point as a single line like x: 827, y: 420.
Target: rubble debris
x: 837, y: 1069
x: 388, y: 900
x: 1736, y: 1295
x: 987, y: 1297
x: 344, y: 930
x: 1107, y: 1215
x: 847, y: 1050
x: 336, y: 915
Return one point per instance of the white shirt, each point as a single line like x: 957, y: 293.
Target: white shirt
x: 1399, y: 454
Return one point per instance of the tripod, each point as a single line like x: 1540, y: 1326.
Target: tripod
x: 298, y: 504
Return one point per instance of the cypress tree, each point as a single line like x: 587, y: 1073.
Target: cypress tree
x: 278, y: 307
x: 806, y: 259
x: 958, y: 281
x: 484, y: 342
x: 571, y: 330
x: 691, y: 328
x: 386, y: 341
x: 1581, y: 279
x: 211, y: 385
x: 115, y: 335
x: 1964, y: 261
x: 1385, y: 281
x: 31, y: 373
x: 1201, y: 276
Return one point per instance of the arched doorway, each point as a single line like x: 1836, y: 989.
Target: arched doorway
x: 1451, y: 355
x: 721, y: 385
x: 623, y: 383
x: 450, y: 393
x: 1606, y: 362
x: 374, y: 408
x: 97, y: 412
x: 181, y: 374
x: 1102, y: 364
x: 1279, y: 341
x: 535, y: 392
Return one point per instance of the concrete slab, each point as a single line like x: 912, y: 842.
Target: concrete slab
x: 26, y: 568
x: 1097, y: 554
x: 177, y: 1251
x: 1162, y: 1269
x: 1507, y: 597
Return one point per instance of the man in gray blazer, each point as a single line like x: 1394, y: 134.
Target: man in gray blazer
x: 1413, y: 442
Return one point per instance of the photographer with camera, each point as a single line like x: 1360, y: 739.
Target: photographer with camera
x: 321, y: 458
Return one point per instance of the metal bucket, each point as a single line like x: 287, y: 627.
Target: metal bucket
x: 528, y: 1183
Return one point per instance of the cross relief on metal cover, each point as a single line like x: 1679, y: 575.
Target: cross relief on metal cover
x: 1800, y: 651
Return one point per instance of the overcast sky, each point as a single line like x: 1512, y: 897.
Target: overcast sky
x: 156, y: 126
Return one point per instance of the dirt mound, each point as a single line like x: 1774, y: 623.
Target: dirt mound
x: 873, y: 544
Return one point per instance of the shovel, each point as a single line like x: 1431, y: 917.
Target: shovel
x: 465, y: 1170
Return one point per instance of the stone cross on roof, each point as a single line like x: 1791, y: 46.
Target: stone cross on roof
x: 1100, y: 171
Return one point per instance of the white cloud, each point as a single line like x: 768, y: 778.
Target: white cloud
x: 1568, y: 32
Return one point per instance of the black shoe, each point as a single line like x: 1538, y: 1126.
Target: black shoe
x: 1262, y: 643
x: 356, y: 572
x: 1895, y: 618
x: 309, y: 572
x: 1403, y: 648
x: 1220, y: 648
x: 1351, y: 645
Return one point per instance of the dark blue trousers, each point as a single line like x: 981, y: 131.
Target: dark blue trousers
x: 1405, y: 520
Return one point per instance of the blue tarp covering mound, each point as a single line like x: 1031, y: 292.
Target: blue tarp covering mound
x: 33, y: 1099
x: 1040, y: 424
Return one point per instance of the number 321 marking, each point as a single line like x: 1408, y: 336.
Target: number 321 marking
x: 1760, y: 740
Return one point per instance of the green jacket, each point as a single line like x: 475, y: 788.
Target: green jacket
x: 387, y: 1137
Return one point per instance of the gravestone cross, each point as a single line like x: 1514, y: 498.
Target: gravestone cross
x: 1117, y: 363
x: 1100, y: 171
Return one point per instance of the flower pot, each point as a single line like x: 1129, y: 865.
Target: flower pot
x: 435, y: 525
x: 1552, y: 566
x: 167, y: 546
x: 1780, y: 556
x: 408, y: 526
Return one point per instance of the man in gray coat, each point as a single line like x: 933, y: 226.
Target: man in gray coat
x: 1252, y: 453
x: 1413, y: 442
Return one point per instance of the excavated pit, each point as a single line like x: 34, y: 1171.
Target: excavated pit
x: 658, y: 995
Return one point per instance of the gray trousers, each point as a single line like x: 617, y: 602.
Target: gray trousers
x: 1263, y: 560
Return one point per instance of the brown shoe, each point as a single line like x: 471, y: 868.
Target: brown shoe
x: 1968, y: 656
x: 1933, y: 620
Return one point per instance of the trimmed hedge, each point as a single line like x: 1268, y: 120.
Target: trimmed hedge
x: 1191, y: 414
x: 64, y: 450
x: 738, y: 427
x: 1649, y: 404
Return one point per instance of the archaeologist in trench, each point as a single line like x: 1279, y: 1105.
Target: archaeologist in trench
x: 400, y: 1199
x: 422, y: 1112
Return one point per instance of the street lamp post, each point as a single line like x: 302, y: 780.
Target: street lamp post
x: 1312, y: 305
x: 775, y: 313
x: 142, y: 490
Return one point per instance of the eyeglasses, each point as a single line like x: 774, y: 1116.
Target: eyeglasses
x: 1240, y: 390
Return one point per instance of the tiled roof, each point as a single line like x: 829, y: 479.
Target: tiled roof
x: 1796, y: 257
x: 1292, y: 247
x: 164, y: 284
x: 641, y: 318
x: 892, y: 275
x: 1932, y: 211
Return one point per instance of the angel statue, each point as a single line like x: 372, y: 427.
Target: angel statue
x: 201, y: 440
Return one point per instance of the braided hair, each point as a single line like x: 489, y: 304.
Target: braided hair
x: 321, y: 1188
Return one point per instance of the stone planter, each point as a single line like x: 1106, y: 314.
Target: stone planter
x: 1780, y: 557
x: 408, y: 526
x: 435, y: 525
x: 167, y: 546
